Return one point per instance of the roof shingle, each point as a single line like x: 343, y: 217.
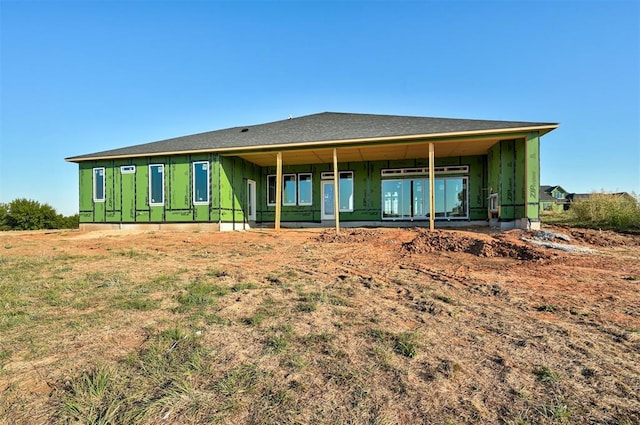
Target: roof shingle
x: 322, y: 127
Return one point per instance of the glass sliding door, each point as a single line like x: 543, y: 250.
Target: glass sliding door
x: 408, y: 199
x: 391, y: 192
x: 420, y: 198
x: 456, y: 197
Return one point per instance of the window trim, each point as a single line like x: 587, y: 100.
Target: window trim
x: 127, y: 169
x: 353, y: 191
x: 156, y: 204
x: 104, y: 184
x: 295, y: 188
x: 269, y: 176
x: 310, y: 203
x: 193, y: 182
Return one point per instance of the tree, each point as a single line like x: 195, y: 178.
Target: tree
x: 4, y: 210
x: 26, y: 214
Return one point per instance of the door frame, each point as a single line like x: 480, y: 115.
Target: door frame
x: 251, y: 200
x: 323, y: 215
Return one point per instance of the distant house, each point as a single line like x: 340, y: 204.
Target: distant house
x: 321, y: 169
x: 557, y: 199
x: 553, y: 199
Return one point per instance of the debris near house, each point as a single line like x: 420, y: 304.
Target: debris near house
x: 604, y: 238
x: 548, y: 239
x: 477, y: 244
x: 357, y: 235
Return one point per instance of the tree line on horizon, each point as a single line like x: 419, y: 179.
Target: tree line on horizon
x: 27, y: 214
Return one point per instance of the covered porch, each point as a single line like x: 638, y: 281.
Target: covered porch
x: 504, y: 175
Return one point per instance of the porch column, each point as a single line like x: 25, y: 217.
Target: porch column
x: 432, y: 187
x: 336, y: 191
x: 278, y: 189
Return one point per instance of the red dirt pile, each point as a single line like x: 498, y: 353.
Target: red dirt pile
x: 478, y: 245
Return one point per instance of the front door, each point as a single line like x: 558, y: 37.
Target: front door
x: 251, y: 200
x: 328, y: 203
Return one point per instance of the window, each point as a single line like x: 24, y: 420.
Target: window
x: 305, y: 189
x: 409, y: 198
x: 455, y: 197
x: 296, y: 189
x: 156, y: 184
x: 406, y: 198
x: 271, y: 190
x: 98, y: 184
x: 289, y: 189
x: 128, y: 169
x: 201, y: 183
x: 345, y: 184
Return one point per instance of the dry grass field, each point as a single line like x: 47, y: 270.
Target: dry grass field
x: 372, y: 326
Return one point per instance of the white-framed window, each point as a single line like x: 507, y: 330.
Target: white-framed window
x: 156, y: 184
x: 201, y: 182
x: 345, y: 193
x: 297, y: 189
x: 271, y: 190
x: 127, y: 169
x: 289, y: 192
x: 420, y: 171
x: 99, y: 184
x: 305, y: 189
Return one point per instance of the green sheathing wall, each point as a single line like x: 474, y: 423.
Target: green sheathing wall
x: 513, y: 172
x: 367, y: 188
x: 88, y: 212
x: 127, y: 195
x: 501, y: 171
x: 533, y: 175
x: 231, y: 186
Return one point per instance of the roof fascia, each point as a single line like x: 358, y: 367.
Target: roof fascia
x: 435, y: 137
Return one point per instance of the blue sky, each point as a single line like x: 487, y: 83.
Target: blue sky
x: 80, y: 77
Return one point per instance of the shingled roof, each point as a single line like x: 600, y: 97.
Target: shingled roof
x: 317, y: 128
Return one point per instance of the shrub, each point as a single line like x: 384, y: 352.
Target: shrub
x: 607, y: 210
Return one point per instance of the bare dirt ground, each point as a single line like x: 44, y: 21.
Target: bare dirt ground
x: 397, y: 326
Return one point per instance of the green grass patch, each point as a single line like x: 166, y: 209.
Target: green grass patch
x: 169, y: 371
x: 138, y: 303
x: 546, y: 374
x: 548, y: 308
x: 199, y: 294
x: 404, y: 344
x: 238, y: 287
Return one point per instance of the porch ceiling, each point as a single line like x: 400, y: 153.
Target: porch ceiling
x: 394, y: 151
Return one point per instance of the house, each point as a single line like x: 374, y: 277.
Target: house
x: 369, y: 169
x: 554, y: 199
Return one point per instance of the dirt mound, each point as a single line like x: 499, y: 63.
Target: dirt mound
x: 485, y: 246
x: 349, y: 235
x: 604, y: 238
